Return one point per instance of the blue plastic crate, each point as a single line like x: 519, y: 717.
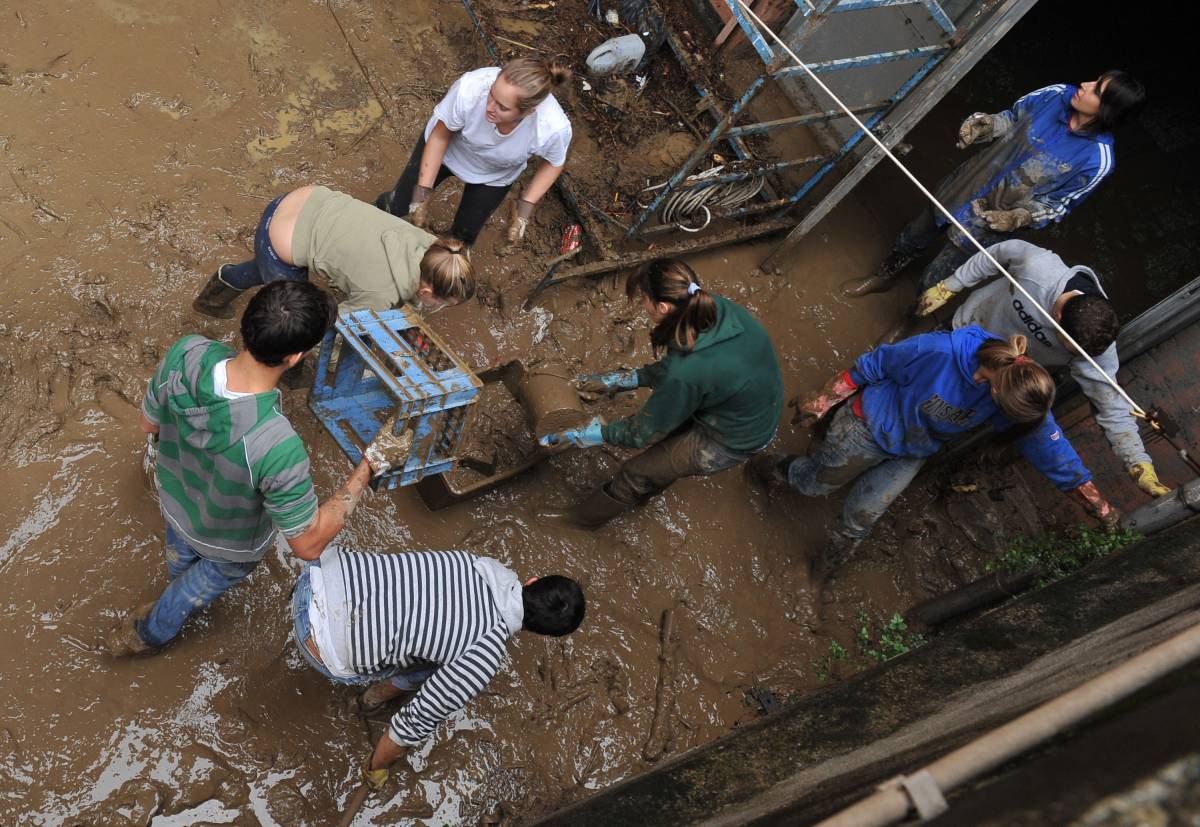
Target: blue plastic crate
x: 374, y: 364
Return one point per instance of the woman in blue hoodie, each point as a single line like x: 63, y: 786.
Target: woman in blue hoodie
x: 909, y: 398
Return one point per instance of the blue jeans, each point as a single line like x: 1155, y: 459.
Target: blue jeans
x: 409, y: 678
x: 850, y: 453
x: 923, y: 231
x: 195, y: 583
x: 266, y: 266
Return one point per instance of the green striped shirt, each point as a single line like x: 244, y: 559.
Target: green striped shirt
x: 231, y: 472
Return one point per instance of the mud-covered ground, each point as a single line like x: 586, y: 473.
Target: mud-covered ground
x: 140, y: 141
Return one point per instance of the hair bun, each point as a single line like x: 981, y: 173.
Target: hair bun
x: 559, y: 73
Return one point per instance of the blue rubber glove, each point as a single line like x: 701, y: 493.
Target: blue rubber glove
x: 617, y: 380
x: 586, y: 437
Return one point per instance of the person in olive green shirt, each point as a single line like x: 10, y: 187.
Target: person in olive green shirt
x: 717, y: 393
x: 374, y: 258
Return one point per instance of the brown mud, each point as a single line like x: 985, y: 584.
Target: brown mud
x: 140, y: 144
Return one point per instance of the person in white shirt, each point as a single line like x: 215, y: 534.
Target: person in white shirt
x: 484, y: 132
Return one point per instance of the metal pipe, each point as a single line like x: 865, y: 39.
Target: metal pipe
x: 803, y: 120
x: 1166, y: 511
x: 891, y: 803
x: 861, y: 60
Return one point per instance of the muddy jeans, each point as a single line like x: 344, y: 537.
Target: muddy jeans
x: 266, y: 266
x: 478, y: 202
x: 195, y: 583
x: 407, y: 678
x: 849, y: 452
x: 688, y: 452
x: 923, y: 231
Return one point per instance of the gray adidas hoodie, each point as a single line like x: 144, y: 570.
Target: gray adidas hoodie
x: 999, y: 309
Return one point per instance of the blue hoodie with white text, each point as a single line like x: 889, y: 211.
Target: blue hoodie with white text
x: 919, y: 393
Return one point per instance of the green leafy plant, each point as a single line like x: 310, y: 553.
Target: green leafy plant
x: 824, y: 666
x: 886, y: 640
x: 1057, y: 554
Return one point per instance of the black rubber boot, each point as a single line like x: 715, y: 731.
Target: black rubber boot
x: 770, y: 469
x: 384, y: 201
x: 216, y: 298
x: 597, y: 509
x: 882, y: 280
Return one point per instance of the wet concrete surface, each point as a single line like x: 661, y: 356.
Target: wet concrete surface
x: 140, y: 144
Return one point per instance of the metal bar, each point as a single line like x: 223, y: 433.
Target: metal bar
x: 570, y: 197
x: 844, y: 63
x: 700, y: 152
x: 715, y: 110
x: 802, y: 120
x: 904, y: 117
x: 932, y: 6
x: 858, y: 133
x: 751, y: 31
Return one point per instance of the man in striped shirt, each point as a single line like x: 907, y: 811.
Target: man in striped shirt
x: 231, y: 472
x: 434, y: 621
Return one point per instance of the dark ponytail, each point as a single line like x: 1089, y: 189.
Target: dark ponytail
x: 674, y: 282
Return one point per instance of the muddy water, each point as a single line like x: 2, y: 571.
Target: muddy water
x: 140, y: 142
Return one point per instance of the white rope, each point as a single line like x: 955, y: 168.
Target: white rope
x: 1137, y: 409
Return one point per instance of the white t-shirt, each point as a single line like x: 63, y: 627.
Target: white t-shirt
x: 478, y: 153
x: 221, y: 382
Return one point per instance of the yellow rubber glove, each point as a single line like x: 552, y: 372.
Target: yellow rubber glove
x: 375, y: 779
x: 933, y: 298
x: 1144, y: 475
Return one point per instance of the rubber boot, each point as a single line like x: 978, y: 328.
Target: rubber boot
x: 216, y: 298
x: 384, y: 201
x: 769, y: 470
x: 596, y: 510
x: 124, y: 641
x: 882, y: 280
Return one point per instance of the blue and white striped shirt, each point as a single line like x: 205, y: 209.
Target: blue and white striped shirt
x: 435, y: 607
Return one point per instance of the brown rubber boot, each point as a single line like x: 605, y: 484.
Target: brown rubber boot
x: 124, y: 641
x: 769, y: 470
x: 596, y: 510
x: 216, y: 298
x: 882, y: 280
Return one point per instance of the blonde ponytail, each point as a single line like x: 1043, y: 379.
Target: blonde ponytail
x: 446, y: 267
x: 1022, y: 388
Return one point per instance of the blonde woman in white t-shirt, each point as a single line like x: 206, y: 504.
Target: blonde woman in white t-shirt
x: 491, y: 122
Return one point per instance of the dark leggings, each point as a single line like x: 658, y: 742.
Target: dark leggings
x: 478, y: 202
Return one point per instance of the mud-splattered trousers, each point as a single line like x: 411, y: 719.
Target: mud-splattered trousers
x: 923, y: 231
x: 266, y: 266
x: 850, y: 453
x: 409, y: 678
x: 195, y: 583
x: 688, y: 452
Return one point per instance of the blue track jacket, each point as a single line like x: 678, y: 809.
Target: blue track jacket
x: 1061, y: 166
x: 919, y: 393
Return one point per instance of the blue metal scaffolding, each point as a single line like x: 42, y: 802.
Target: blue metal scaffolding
x: 777, y: 67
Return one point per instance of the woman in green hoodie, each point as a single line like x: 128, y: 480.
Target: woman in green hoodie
x: 717, y: 393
